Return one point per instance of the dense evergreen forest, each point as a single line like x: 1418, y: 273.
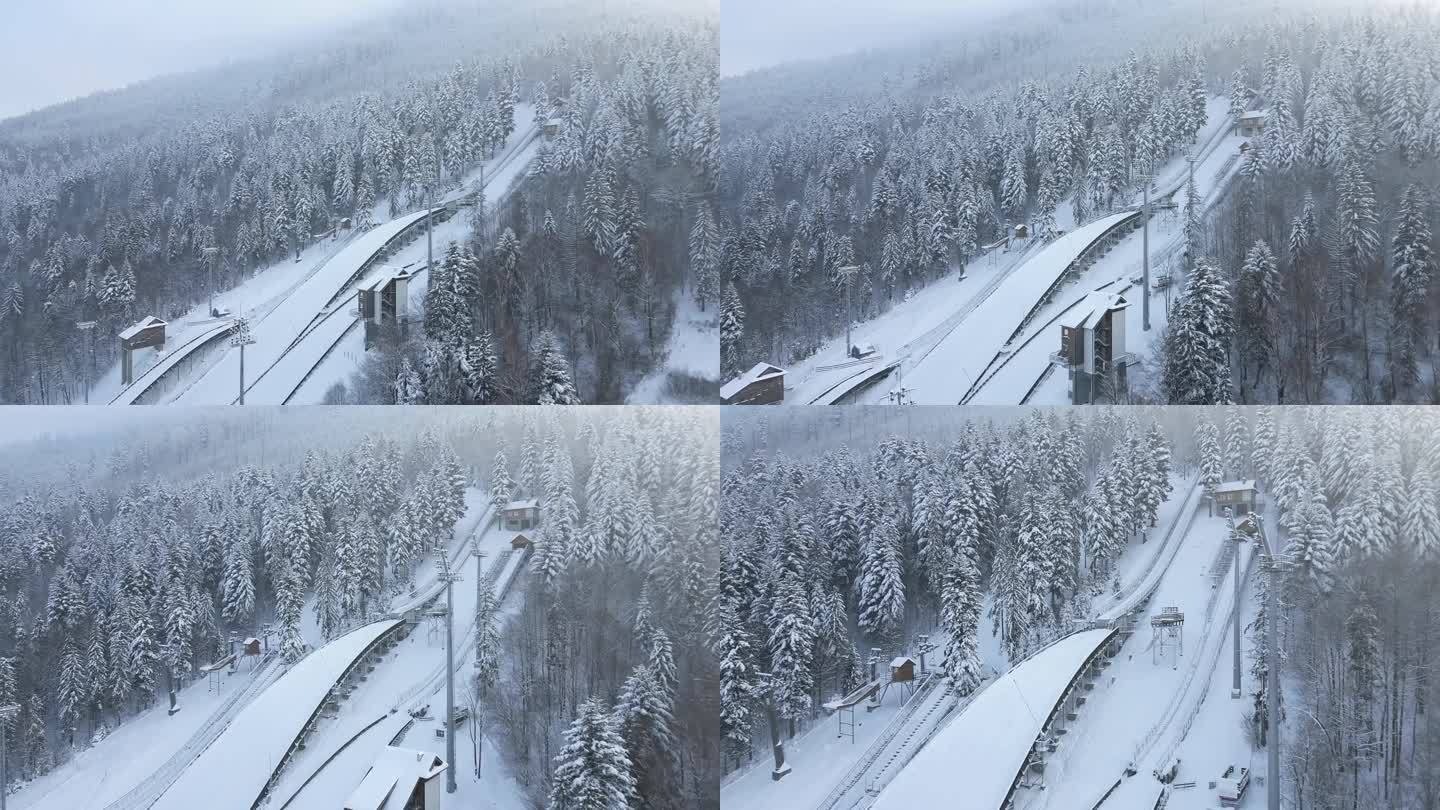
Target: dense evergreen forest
x: 135, y: 556
x: 128, y: 203
x: 614, y: 217
x: 847, y: 531
x: 829, y: 545
x: 905, y: 162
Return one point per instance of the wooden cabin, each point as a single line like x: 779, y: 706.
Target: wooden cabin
x: 520, y: 515
x: 763, y: 384
x: 519, y: 541
x: 1251, y: 123
x: 1238, y: 495
x: 902, y: 669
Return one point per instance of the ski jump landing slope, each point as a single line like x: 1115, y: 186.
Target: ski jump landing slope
x: 275, y: 334
x: 979, y: 753
x: 233, y: 771
x: 958, y: 361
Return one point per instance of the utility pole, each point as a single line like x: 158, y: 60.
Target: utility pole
x: 449, y: 578
x: 1145, y: 253
x: 88, y: 327
x: 848, y: 271
x: 1272, y: 662
x: 7, y: 713
x: 1235, y: 535
x: 240, y: 338
x: 213, y: 255
x: 1189, y: 248
x: 430, y: 248
x: 1272, y: 678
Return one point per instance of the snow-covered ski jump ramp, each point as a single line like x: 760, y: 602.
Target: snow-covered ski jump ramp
x: 985, y: 752
x: 235, y: 769
x: 959, y: 361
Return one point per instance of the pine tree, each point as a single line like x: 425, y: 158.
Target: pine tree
x: 501, y: 487
x: 882, y: 587
x: 737, y: 680
x: 792, y: 638
x: 407, y: 384
x: 550, y: 381
x: 960, y: 613
x: 239, y: 580
x: 1413, y: 263
x: 593, y: 770
x: 487, y: 640
x: 1258, y: 307
x: 1196, y: 353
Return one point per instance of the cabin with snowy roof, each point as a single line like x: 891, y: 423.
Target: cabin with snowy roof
x: 400, y: 779
x: 902, y: 669
x: 763, y: 384
x: 519, y: 516
x: 1238, y: 495
x: 1251, y: 123
x: 144, y: 334
x: 1092, y: 345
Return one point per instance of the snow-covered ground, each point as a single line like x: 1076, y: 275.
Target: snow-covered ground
x: 344, y: 337
x: 827, y: 766
x: 282, y: 305
x: 831, y: 771
x: 978, y: 753
x: 1143, y: 706
x: 133, y: 751
x: 942, y: 336
x: 1024, y: 376
x: 957, y: 362
x: 693, y: 349
x: 274, y: 333
x: 235, y: 767
x: 254, y: 298
x: 914, y: 324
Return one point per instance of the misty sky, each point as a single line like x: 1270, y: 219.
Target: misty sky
x: 761, y: 33
x: 55, y: 50
x: 23, y: 422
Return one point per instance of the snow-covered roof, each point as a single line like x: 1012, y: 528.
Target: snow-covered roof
x: 1090, y: 310
x: 902, y: 661
x: 131, y: 331
x: 251, y: 640
x: 758, y: 372
x: 395, y: 768
x: 1235, y: 486
x: 382, y: 276
x: 1254, y: 114
x: 528, y: 503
